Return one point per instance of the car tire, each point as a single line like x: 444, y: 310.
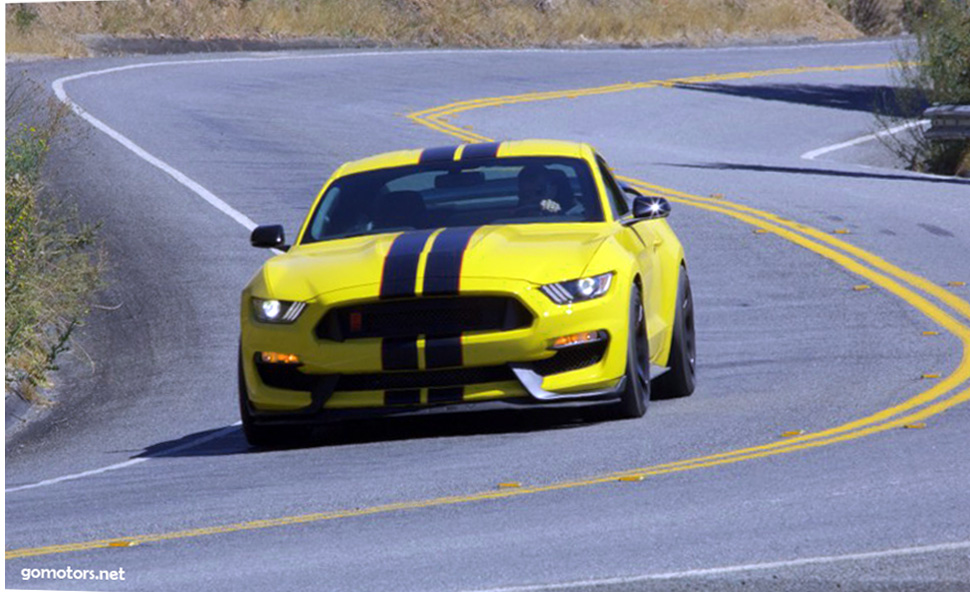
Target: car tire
x: 679, y: 380
x: 262, y: 436
x: 636, y: 391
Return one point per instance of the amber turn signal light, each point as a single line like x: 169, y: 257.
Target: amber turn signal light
x: 278, y: 358
x: 578, y: 339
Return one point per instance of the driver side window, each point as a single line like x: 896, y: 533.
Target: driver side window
x: 620, y: 206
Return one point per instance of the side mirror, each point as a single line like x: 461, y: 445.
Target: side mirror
x: 269, y: 237
x: 650, y: 208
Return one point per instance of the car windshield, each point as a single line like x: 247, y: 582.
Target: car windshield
x: 473, y: 193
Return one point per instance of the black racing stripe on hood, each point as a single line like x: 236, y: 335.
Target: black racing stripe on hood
x: 442, y: 272
x: 400, y: 272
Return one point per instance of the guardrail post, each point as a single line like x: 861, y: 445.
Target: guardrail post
x: 948, y: 122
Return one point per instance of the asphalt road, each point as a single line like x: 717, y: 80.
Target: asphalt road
x: 785, y: 343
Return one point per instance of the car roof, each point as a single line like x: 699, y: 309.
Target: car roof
x: 513, y: 148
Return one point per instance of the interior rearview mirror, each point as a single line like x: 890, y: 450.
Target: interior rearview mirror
x: 456, y: 180
x: 269, y: 236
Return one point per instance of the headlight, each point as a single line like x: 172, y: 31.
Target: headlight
x: 578, y: 290
x: 277, y: 311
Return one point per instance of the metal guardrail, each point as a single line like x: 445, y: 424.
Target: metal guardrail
x: 948, y: 122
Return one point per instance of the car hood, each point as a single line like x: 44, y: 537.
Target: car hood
x: 537, y: 253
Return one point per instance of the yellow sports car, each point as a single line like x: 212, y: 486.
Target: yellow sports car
x: 515, y: 272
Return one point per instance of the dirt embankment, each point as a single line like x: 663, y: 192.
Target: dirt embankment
x: 150, y: 26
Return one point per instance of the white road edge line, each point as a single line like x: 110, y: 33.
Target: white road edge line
x: 714, y: 571
x: 199, y: 190
x: 134, y: 461
x: 813, y: 154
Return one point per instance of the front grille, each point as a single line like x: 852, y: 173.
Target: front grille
x: 571, y: 358
x: 288, y: 377
x: 423, y: 379
x: 424, y: 316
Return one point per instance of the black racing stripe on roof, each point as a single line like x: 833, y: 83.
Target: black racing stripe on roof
x: 439, y: 154
x: 486, y: 150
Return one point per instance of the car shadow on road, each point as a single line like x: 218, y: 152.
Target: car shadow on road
x: 879, y: 99
x: 731, y: 166
x: 437, y: 425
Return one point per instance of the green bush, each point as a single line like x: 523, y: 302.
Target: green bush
x: 942, y: 29
x: 24, y: 16
x: 937, y: 71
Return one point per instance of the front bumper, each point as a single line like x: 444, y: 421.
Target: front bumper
x: 514, y: 366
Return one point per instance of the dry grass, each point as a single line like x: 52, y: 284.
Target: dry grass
x: 963, y: 167
x: 54, y: 28
x: 51, y: 267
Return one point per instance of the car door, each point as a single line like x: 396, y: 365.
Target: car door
x: 647, y: 255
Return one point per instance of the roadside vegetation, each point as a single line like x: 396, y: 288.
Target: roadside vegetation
x: 59, y: 28
x: 936, y: 71
x: 873, y: 17
x: 52, y: 265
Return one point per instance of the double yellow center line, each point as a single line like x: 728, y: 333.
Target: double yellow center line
x: 909, y: 287
x: 437, y: 118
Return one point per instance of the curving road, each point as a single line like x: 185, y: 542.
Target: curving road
x: 141, y: 467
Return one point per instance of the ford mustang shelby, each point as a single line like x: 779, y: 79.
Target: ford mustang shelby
x: 518, y: 272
